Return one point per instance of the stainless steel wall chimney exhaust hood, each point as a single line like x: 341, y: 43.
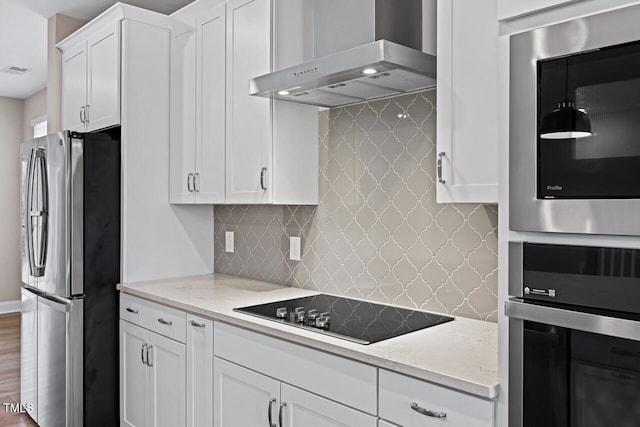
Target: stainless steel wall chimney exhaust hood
x: 392, y: 65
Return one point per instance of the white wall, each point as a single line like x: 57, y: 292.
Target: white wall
x: 35, y: 106
x: 11, y: 135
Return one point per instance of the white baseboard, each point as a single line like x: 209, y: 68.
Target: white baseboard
x: 9, y: 306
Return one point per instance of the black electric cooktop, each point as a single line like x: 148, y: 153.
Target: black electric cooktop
x: 358, y: 321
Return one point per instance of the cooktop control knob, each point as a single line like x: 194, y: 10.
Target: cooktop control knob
x: 312, y: 315
x: 299, y: 315
x: 281, y: 313
x: 323, y: 322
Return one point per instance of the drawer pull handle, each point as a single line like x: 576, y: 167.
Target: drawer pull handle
x: 142, y: 350
x: 269, y: 412
x: 165, y: 322
x: 427, y: 412
x: 149, y: 364
x: 196, y: 324
x: 132, y: 310
x: 282, y: 406
x: 439, y: 168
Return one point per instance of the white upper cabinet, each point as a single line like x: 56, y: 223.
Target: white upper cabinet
x: 197, y: 169
x: 513, y: 8
x: 249, y: 119
x: 467, y: 104
x: 228, y: 146
x: 209, y: 180
x: 91, y: 81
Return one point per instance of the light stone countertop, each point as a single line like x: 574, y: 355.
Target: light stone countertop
x: 461, y: 354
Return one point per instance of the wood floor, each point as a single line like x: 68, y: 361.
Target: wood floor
x: 10, y: 370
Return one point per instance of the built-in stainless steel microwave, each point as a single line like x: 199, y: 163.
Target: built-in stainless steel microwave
x: 574, y: 139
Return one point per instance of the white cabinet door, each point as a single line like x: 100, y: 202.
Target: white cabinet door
x: 183, y: 117
x: 133, y: 375
x: 243, y: 397
x: 513, y: 8
x: 167, y: 386
x: 74, y: 88
x: 211, y: 106
x: 248, y: 142
x: 306, y: 409
x: 199, y: 372
x: 467, y: 120
x: 103, y: 96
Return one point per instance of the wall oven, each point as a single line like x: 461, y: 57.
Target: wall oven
x: 575, y: 126
x: 574, y: 336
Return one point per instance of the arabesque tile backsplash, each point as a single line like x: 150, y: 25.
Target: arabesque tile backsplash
x: 377, y: 232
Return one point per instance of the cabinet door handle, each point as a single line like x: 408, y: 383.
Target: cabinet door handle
x: 269, y: 412
x: 282, y: 405
x: 439, y: 167
x: 142, y: 351
x: 427, y: 412
x: 196, y: 324
x: 165, y: 322
x: 263, y: 171
x: 149, y: 364
x: 86, y: 114
x: 82, y: 114
x: 189, y: 185
x: 132, y: 310
x: 196, y: 182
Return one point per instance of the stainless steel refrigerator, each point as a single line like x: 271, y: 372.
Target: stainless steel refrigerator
x: 70, y: 244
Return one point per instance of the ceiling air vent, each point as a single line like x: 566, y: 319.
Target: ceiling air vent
x: 12, y: 69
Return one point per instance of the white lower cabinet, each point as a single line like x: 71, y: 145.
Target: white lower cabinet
x: 199, y: 371
x: 153, y: 378
x: 247, y: 398
x: 133, y: 375
x: 410, y: 402
x: 243, y: 397
x: 302, y: 408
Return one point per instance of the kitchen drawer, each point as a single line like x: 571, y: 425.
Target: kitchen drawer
x: 161, y: 319
x: 346, y: 381
x: 398, y: 392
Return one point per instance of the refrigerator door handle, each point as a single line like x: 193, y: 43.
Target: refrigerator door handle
x: 28, y: 209
x: 57, y: 304
x: 42, y: 214
x: 77, y: 216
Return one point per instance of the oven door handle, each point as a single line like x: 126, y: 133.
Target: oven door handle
x: 588, y: 322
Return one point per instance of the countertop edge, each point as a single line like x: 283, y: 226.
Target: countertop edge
x: 485, y: 391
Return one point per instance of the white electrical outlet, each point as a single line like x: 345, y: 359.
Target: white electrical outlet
x: 228, y: 241
x: 294, y: 248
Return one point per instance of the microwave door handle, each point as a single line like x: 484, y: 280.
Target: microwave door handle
x: 29, y: 208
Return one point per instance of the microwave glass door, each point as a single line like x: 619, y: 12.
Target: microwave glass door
x: 604, y: 83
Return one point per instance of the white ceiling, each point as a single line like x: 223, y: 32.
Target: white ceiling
x: 23, y: 36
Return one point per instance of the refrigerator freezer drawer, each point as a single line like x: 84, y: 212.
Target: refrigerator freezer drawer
x: 29, y: 353
x: 59, y: 362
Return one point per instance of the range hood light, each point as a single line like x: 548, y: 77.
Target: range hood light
x: 379, y: 76
x: 283, y: 93
x: 369, y: 71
